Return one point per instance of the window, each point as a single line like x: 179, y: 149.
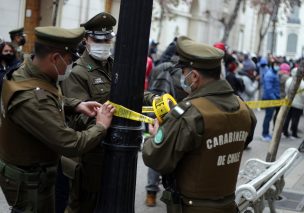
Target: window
x: 292, y: 41
x: 293, y: 17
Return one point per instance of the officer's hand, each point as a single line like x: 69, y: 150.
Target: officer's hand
x: 105, y: 114
x: 153, y: 128
x: 88, y: 108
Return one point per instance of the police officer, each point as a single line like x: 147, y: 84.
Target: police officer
x: 200, y: 143
x: 33, y: 133
x: 90, y: 79
x: 18, y: 40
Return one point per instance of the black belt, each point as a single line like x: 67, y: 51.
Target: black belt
x: 20, y: 174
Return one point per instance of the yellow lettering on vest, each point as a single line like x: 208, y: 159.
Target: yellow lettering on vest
x: 226, y: 138
x: 215, y: 142
x: 209, y: 144
x: 221, y: 140
x: 233, y: 158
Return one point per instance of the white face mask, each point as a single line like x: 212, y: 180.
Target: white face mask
x: 67, y: 72
x: 186, y: 87
x: 99, y: 51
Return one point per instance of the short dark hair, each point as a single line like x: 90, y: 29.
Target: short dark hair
x: 42, y: 50
x: 12, y: 36
x: 214, y: 73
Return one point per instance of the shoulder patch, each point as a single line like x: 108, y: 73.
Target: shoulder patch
x: 40, y: 94
x: 89, y: 67
x: 158, y: 138
x: 180, y: 109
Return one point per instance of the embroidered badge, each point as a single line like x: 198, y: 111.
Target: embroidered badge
x: 98, y: 81
x: 158, y: 138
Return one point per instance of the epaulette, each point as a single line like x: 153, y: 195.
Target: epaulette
x: 40, y: 94
x: 180, y: 109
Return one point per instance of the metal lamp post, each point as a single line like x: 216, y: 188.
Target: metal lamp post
x: 124, y: 137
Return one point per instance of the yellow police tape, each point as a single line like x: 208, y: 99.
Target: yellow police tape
x: 123, y: 112
x: 160, y: 107
x: 163, y: 104
x: 268, y: 103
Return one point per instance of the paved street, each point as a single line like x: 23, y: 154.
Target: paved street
x: 258, y: 149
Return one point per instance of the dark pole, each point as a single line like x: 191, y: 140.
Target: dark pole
x: 55, y: 11
x: 124, y: 137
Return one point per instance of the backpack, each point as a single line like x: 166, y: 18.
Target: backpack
x: 165, y: 78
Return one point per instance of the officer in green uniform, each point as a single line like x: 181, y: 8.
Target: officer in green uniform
x: 18, y: 40
x: 90, y: 80
x: 199, y: 145
x: 33, y: 132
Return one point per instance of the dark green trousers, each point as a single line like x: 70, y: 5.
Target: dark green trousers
x: 19, y: 196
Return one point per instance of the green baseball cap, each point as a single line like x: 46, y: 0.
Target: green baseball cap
x: 100, y: 26
x: 198, y: 55
x: 18, y: 31
x: 66, y: 39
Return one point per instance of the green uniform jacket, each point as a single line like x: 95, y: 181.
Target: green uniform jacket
x: 39, y: 113
x: 90, y: 80
x: 182, y: 134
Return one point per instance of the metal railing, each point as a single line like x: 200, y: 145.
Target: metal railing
x: 264, y: 181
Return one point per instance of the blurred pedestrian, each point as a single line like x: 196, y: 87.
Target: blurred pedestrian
x: 284, y: 74
x: 8, y: 60
x: 271, y: 92
x: 296, y: 110
x: 248, y: 74
x: 235, y: 82
x: 262, y: 70
x: 18, y: 40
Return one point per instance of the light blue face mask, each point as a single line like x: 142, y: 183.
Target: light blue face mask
x: 186, y: 87
x: 276, y: 68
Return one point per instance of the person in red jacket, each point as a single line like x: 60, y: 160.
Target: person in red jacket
x: 149, y: 67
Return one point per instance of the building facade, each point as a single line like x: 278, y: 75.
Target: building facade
x: 200, y: 20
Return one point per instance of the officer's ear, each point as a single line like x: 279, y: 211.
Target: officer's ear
x: 195, y: 76
x: 54, y: 57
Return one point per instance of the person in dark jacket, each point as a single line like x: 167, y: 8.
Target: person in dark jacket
x: 236, y: 83
x: 168, y: 53
x: 8, y: 60
x: 165, y: 78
